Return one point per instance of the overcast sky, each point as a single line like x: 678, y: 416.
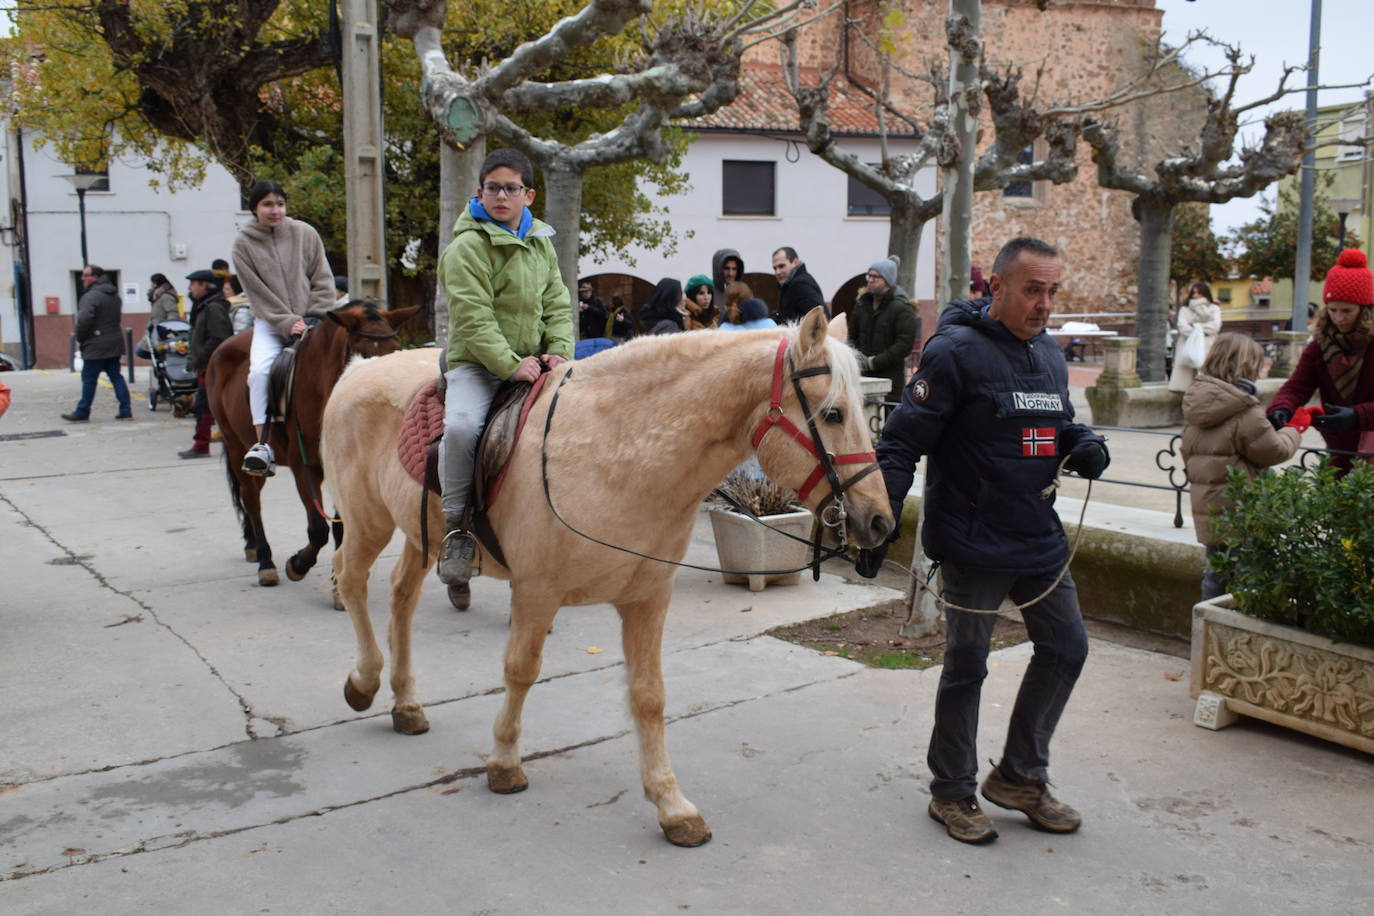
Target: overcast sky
x: 1276, y: 32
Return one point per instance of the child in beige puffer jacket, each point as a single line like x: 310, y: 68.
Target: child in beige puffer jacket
x: 1225, y: 427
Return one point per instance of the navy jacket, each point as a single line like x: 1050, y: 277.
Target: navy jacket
x: 993, y: 414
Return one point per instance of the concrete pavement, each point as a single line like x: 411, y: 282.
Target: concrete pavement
x: 174, y: 739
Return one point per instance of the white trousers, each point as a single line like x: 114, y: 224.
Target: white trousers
x: 266, y: 345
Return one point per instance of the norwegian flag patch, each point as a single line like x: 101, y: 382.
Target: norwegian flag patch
x: 1037, y: 442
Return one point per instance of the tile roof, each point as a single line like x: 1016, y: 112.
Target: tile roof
x: 764, y: 104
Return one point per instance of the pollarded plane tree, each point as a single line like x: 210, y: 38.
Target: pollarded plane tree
x: 684, y: 64
x: 1016, y: 122
x: 1208, y: 170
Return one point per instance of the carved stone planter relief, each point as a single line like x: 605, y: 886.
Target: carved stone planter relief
x: 1280, y: 674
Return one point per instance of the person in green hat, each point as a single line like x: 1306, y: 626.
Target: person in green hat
x: 701, y: 309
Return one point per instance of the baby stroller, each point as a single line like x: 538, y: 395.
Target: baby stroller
x: 168, y: 346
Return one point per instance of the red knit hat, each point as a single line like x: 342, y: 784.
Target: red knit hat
x: 1350, y: 280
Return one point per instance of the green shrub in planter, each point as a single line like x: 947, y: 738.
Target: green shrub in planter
x: 1301, y: 549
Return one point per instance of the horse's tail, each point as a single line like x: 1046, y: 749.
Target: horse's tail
x: 234, y: 496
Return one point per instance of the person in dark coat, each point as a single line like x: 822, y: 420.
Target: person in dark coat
x: 800, y: 292
x: 664, y: 313
x: 101, y: 338
x: 210, y: 327
x: 591, y: 312
x: 883, y: 327
x: 989, y: 407
x: 726, y: 267
x: 1338, y: 362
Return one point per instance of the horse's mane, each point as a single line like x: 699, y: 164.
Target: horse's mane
x: 669, y: 353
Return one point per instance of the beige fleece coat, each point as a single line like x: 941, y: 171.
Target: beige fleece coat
x: 284, y: 272
x: 1225, y: 427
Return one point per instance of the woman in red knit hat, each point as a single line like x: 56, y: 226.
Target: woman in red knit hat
x: 1339, y: 360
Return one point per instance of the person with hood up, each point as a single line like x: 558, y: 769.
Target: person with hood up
x: 281, y: 264
x: 510, y: 319
x: 1200, y: 312
x: 100, y: 335
x: 162, y: 300
x: 798, y: 292
x: 990, y: 408
x: 1224, y: 427
x: 883, y: 326
x: 1338, y: 362
x: 726, y: 267
x: 664, y: 313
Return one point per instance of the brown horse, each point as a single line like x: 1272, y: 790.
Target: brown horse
x: 358, y: 328
x: 640, y: 435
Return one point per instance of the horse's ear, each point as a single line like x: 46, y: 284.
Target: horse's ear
x: 839, y: 327
x: 398, y: 317
x: 336, y: 318
x: 812, y: 333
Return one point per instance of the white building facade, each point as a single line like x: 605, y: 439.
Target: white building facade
x: 132, y: 230
x: 815, y: 209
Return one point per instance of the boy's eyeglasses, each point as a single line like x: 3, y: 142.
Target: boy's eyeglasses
x: 496, y: 190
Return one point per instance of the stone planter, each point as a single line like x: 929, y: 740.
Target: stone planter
x: 742, y: 543
x: 1280, y: 674
x: 874, y: 391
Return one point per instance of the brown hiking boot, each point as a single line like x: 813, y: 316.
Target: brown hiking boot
x: 963, y: 819
x: 1032, y: 799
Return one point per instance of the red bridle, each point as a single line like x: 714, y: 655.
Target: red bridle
x: 825, y: 461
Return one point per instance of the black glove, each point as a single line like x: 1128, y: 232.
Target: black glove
x: 1088, y: 459
x: 1279, y: 417
x: 870, y: 561
x: 1337, y: 419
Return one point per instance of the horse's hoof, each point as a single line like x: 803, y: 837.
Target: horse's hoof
x: 292, y: 573
x: 355, y: 698
x: 267, y: 577
x: 250, y: 554
x: 410, y: 721
x: 691, y: 832
x: 506, y: 780
x: 460, y: 596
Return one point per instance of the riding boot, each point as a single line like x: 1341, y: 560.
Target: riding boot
x: 456, y: 553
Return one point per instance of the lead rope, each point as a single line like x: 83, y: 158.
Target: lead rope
x: 1046, y: 493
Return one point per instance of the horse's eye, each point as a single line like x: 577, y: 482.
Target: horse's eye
x: 834, y: 416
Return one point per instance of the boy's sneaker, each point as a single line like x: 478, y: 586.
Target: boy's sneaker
x: 260, y: 462
x: 455, y: 557
x: 1032, y: 799
x: 963, y: 819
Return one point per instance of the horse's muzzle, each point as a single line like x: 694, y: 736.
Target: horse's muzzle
x: 870, y: 531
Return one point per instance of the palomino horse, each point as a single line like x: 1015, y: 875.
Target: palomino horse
x: 640, y: 435
x: 355, y: 329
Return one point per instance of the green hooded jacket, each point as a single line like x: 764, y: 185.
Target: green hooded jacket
x: 506, y: 297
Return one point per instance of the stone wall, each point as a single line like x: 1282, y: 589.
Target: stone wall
x: 1075, y: 51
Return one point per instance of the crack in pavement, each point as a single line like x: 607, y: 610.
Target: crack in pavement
x: 83, y: 561
x: 187, y: 837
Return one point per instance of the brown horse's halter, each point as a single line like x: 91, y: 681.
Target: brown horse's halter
x: 831, y: 510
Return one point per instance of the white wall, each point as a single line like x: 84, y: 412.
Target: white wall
x: 811, y: 217
x: 131, y: 228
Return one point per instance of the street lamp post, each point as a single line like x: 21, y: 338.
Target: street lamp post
x: 83, y: 182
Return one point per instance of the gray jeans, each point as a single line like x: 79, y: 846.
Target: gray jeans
x: 1056, y: 629
x: 470, y: 391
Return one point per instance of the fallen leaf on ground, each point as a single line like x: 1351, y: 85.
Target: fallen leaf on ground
x: 1170, y: 676
x: 594, y: 650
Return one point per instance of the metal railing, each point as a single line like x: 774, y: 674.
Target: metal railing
x: 1173, y: 470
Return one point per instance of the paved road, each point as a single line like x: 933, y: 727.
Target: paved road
x: 173, y: 740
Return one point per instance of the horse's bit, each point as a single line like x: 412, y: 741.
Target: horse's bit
x: 832, y: 510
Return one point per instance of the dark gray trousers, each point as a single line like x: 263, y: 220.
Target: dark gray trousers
x: 1056, y: 629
